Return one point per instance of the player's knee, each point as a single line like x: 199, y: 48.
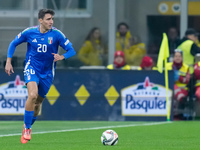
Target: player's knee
x: 33, y: 95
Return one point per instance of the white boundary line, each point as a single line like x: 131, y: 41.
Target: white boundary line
x: 93, y: 128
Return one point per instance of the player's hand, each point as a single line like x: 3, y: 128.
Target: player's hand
x: 9, y: 68
x: 58, y: 57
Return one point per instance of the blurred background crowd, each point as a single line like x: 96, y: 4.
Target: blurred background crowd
x: 137, y: 27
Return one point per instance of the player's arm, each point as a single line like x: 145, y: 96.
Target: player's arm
x: 18, y: 40
x: 8, y: 66
x: 58, y: 57
x: 70, y: 52
x: 66, y: 45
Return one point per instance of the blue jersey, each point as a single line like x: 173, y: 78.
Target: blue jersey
x: 40, y: 47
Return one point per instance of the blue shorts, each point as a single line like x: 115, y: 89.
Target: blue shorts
x: 44, y: 84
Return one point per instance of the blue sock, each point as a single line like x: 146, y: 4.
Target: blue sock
x: 28, y: 117
x: 33, y: 120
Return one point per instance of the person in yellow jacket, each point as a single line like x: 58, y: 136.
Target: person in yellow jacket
x: 135, y: 52
x: 181, y: 75
x: 189, y: 48
x: 119, y: 62
x: 122, y: 36
x: 181, y: 79
x: 92, y: 53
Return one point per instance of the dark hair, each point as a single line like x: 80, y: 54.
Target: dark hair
x: 124, y: 24
x: 89, y: 36
x: 44, y: 11
x: 191, y: 31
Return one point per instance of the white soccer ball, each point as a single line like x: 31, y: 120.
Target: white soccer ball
x: 109, y: 137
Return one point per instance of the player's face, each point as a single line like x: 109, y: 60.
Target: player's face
x: 178, y: 57
x: 47, y: 22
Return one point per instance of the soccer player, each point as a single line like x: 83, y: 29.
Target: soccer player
x: 41, y: 57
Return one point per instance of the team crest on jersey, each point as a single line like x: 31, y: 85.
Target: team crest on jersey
x: 50, y: 40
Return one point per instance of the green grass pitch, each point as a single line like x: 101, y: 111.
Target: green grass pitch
x: 85, y: 135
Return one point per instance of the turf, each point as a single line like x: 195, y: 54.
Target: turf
x: 85, y: 135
